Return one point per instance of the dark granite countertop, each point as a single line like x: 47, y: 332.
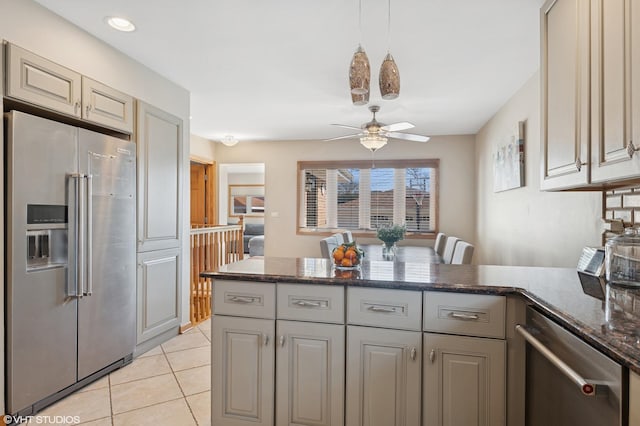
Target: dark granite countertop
x: 555, y: 291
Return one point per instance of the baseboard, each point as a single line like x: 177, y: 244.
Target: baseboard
x: 184, y: 328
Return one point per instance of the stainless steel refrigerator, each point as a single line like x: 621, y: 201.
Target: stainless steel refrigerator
x: 70, y: 283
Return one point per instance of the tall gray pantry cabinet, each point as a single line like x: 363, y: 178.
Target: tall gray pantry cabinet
x: 159, y: 139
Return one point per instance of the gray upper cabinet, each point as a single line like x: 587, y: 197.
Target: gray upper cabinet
x: 103, y: 105
x: 36, y: 80
x: 159, y: 178
x: 615, y: 95
x: 564, y: 94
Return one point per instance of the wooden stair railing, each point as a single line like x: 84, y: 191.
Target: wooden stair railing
x: 211, y: 247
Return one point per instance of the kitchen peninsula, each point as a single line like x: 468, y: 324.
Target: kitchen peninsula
x: 425, y: 320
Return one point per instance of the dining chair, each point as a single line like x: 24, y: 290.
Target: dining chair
x: 449, y: 248
x: 462, y: 253
x: 339, y: 238
x: 348, y: 236
x: 441, y: 240
x: 327, y: 245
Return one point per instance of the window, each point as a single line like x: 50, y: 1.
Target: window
x: 362, y: 197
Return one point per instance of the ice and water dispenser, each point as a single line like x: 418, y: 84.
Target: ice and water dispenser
x: 47, y: 229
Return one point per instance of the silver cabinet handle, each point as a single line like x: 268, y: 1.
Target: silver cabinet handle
x: 432, y: 355
x: 242, y: 299
x: 631, y: 149
x: 308, y: 304
x: 89, y: 239
x: 87, y: 111
x: 282, y: 340
x: 413, y: 353
x: 265, y: 337
x: 385, y: 309
x: 587, y: 388
x: 76, y: 107
x: 464, y: 317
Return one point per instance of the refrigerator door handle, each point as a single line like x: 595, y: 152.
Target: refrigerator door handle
x: 82, y: 226
x: 89, y: 235
x: 72, y: 262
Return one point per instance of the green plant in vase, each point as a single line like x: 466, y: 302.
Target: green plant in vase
x: 390, y: 235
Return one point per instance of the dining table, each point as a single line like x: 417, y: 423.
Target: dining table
x: 401, y: 253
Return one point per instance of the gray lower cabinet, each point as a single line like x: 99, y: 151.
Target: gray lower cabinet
x: 464, y: 381
x: 310, y: 379
x: 383, y: 377
x: 158, y: 292
x: 243, y: 371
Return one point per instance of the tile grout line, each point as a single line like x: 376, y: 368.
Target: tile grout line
x: 184, y: 397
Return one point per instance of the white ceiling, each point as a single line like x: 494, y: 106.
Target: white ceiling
x: 278, y: 69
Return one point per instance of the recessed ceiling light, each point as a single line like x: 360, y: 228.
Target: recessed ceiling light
x: 120, y: 24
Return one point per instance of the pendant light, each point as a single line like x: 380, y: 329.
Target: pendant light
x: 359, y: 71
x: 389, y: 78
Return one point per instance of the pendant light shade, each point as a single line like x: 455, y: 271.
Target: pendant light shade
x: 389, y: 78
x: 359, y: 73
x: 373, y: 142
x: 360, y: 99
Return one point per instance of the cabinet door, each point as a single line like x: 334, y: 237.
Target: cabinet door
x: 103, y: 105
x: 383, y: 377
x: 564, y: 94
x: 36, y: 80
x: 158, y: 296
x: 634, y: 399
x: 464, y: 381
x: 159, y: 179
x: 243, y: 371
x: 612, y: 82
x: 310, y: 382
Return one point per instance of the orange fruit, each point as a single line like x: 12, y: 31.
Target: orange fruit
x: 351, y: 255
x: 346, y: 262
x: 338, y: 255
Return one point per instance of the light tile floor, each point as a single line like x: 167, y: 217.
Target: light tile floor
x: 169, y: 385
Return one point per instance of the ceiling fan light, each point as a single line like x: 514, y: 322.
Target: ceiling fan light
x: 373, y: 142
x: 359, y: 72
x: 229, y: 140
x: 389, y: 78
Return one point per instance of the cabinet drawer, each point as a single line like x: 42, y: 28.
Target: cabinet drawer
x: 318, y: 303
x: 244, y: 299
x: 466, y: 314
x: 384, y: 308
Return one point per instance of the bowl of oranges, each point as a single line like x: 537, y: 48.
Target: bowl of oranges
x: 347, y: 256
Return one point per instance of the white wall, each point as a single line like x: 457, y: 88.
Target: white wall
x: 525, y: 226
x: 35, y: 28
x: 202, y: 149
x: 457, y: 177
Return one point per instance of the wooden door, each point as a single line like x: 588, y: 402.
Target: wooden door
x: 243, y: 371
x: 310, y: 382
x: 198, y: 194
x: 464, y: 381
x: 383, y: 377
x: 564, y: 94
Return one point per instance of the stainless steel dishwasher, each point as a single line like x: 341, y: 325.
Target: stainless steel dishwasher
x: 569, y: 382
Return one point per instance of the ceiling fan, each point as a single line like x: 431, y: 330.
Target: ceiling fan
x: 374, y: 134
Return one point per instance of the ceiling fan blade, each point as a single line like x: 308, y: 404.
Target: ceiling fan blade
x: 407, y: 136
x: 342, y: 137
x: 346, y: 126
x: 404, y: 125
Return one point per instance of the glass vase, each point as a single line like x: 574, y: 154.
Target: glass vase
x: 389, y: 250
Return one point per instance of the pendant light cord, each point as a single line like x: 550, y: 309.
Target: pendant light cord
x: 388, y: 26
x: 360, y: 20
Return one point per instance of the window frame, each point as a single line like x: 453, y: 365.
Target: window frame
x: 433, y: 163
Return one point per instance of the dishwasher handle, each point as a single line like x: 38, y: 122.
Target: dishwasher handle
x: 588, y: 388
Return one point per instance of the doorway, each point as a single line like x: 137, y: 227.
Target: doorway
x: 203, y: 196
